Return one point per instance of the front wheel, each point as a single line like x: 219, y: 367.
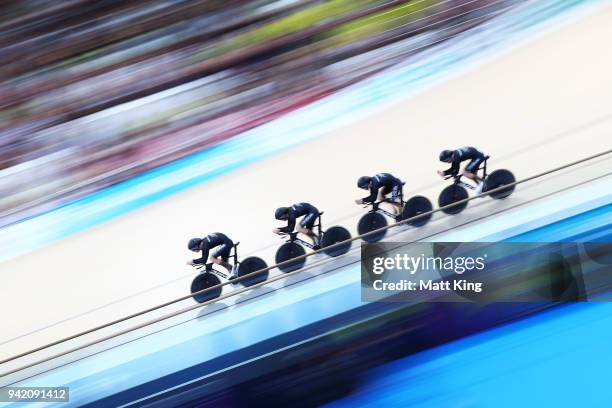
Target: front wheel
x: 415, y: 206
x: 205, y: 281
x: 451, y: 195
x: 332, y: 236
x: 287, y: 251
x: 371, y: 222
x: 497, y: 179
x: 250, y: 265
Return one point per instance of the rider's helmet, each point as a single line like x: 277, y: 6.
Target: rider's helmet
x: 194, y: 244
x: 446, y: 155
x: 281, y: 213
x: 364, y: 182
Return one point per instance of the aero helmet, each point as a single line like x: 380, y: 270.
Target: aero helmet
x: 280, y: 213
x: 194, y: 244
x: 363, y: 181
x: 446, y: 155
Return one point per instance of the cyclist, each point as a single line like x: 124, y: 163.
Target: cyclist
x: 455, y: 157
x: 290, y: 214
x: 220, y: 256
x: 383, y: 184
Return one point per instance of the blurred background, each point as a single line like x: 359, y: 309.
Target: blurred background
x: 95, y: 92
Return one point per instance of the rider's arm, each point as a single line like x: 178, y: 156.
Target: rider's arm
x: 373, y: 194
x: 453, y: 170
x: 290, y: 223
x: 203, y: 259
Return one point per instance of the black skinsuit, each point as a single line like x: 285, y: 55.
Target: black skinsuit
x: 216, y: 239
x: 462, y: 154
x: 298, y: 210
x: 388, y: 183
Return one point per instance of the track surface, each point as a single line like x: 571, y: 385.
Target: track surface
x: 201, y: 338
x: 542, y: 105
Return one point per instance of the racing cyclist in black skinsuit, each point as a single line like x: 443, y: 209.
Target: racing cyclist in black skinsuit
x: 455, y: 157
x: 220, y: 256
x: 383, y: 184
x: 290, y: 214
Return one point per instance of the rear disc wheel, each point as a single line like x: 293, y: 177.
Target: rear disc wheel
x: 415, y: 206
x: 250, y: 265
x: 498, y: 179
x: 332, y: 236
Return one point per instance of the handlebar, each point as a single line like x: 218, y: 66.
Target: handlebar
x: 288, y: 234
x: 386, y: 200
x: 200, y: 266
x: 452, y: 176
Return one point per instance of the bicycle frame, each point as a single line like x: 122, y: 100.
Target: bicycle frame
x: 463, y: 184
x: 216, y: 272
x: 294, y: 238
x: 376, y: 204
x: 457, y: 178
x: 375, y: 208
x: 209, y: 267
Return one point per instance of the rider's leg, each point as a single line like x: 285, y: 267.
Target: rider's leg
x: 383, y: 197
x: 479, y: 182
x: 396, y: 207
x: 222, y: 262
x: 396, y: 194
x: 472, y: 168
x: 222, y: 254
x: 306, y: 225
x: 310, y: 233
x: 470, y: 172
x: 472, y: 176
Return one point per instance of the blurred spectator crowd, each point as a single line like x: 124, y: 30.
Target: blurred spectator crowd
x: 95, y: 92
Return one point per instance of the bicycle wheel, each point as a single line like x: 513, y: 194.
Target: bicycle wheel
x: 450, y: 195
x: 332, y: 236
x: 249, y: 265
x: 371, y: 222
x: 415, y: 206
x: 287, y: 251
x: 205, y: 281
x: 497, y: 179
